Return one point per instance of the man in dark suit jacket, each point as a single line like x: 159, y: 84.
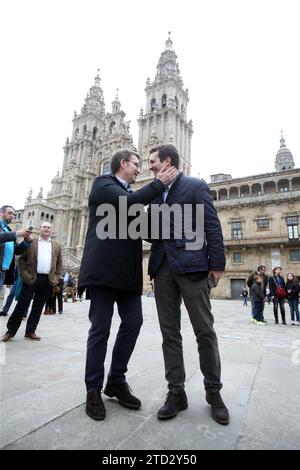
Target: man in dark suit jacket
x: 111, y: 269
x: 40, y: 267
x: 188, y: 274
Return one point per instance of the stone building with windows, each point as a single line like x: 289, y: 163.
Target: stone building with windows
x: 260, y: 220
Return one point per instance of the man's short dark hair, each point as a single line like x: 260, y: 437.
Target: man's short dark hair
x: 165, y: 151
x: 4, y: 208
x: 121, y: 155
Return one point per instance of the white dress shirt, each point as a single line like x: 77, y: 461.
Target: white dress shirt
x: 44, y: 256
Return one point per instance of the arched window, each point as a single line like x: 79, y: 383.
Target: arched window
x: 153, y: 104
x: 95, y: 130
x: 106, y: 168
x: 84, y: 130
x: 42, y: 215
x: 47, y: 216
x: 32, y: 213
x: 112, y: 127
x: 176, y: 102
x: 164, y: 101
x: 77, y: 131
x: 51, y: 218
x: 29, y: 214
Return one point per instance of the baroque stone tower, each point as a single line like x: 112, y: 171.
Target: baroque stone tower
x: 165, y: 117
x: 96, y: 135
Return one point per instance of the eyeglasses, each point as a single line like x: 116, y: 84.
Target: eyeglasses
x: 136, y: 164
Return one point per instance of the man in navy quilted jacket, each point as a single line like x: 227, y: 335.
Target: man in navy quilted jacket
x: 184, y: 269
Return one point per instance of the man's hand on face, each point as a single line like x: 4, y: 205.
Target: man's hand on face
x: 166, y: 174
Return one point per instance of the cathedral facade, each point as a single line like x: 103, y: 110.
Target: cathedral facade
x: 259, y: 214
x: 96, y: 136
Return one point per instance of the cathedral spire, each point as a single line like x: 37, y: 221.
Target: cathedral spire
x: 94, y: 100
x: 284, y: 159
x: 165, y: 118
x: 29, y: 197
x: 282, y: 140
x: 169, y: 42
x: 167, y: 67
x: 40, y: 193
x: 116, y: 104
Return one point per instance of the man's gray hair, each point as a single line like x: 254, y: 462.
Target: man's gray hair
x: 4, y: 208
x: 121, y: 155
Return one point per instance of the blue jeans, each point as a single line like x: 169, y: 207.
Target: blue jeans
x: 294, y: 309
x: 258, y: 310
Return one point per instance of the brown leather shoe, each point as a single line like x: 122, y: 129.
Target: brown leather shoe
x: 32, y: 336
x: 123, y: 393
x: 7, y: 337
x: 94, y: 405
x: 219, y: 412
x: 173, y: 404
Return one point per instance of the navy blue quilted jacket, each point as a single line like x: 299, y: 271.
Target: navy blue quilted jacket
x: 189, y: 190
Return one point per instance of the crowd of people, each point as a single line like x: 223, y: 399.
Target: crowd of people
x: 274, y: 289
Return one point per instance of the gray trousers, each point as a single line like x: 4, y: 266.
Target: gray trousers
x: 170, y: 289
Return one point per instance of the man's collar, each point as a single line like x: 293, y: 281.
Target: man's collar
x: 174, y: 180
x: 43, y: 240
x: 123, y: 182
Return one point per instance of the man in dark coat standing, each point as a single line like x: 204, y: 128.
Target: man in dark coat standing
x: 187, y: 268
x: 111, y: 269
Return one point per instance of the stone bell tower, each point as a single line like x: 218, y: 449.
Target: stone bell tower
x: 165, y: 117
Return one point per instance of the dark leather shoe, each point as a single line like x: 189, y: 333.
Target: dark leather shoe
x: 32, y: 336
x: 7, y: 337
x: 94, y: 405
x: 123, y: 393
x: 219, y: 412
x: 173, y: 404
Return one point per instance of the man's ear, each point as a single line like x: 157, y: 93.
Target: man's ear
x: 167, y: 162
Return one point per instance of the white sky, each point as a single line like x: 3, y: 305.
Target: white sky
x: 238, y: 58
